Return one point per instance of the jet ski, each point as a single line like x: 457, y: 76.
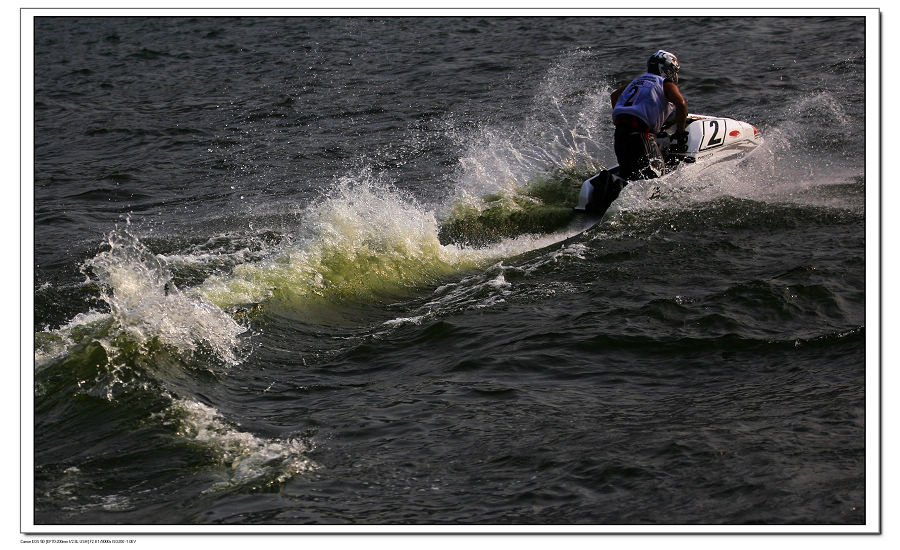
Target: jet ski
x: 710, y: 140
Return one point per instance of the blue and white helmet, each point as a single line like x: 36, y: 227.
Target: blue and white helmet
x: 664, y: 64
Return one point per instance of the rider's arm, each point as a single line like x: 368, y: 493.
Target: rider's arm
x: 673, y: 95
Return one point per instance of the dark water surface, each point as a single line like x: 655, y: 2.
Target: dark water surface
x: 244, y: 315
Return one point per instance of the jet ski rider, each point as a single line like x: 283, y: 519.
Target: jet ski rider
x: 639, y: 110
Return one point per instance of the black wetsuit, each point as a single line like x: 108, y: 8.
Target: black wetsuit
x: 636, y: 150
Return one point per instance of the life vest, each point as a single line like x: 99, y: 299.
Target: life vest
x: 645, y: 99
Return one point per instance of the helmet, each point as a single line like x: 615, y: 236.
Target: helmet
x: 664, y: 64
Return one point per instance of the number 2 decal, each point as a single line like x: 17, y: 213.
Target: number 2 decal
x: 713, y: 134
x: 630, y: 101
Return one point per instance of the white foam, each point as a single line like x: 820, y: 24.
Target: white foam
x: 146, y: 304
x: 250, y: 458
x: 62, y: 338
